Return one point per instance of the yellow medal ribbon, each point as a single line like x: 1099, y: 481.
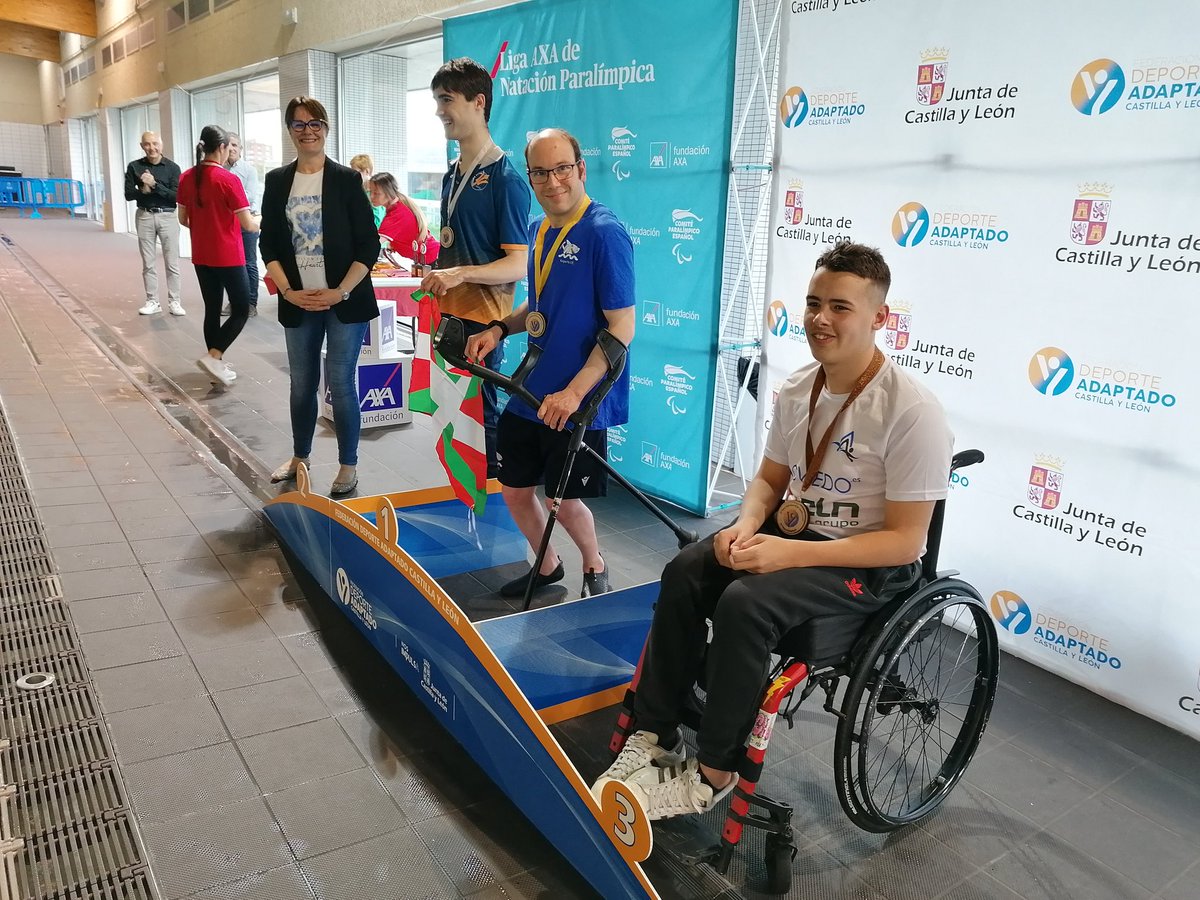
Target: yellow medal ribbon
x: 541, y: 270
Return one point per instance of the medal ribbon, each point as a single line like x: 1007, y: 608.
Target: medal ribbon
x: 452, y: 204
x: 541, y: 268
x: 814, y: 460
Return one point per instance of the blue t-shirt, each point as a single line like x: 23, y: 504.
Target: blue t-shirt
x: 592, y: 272
x: 492, y: 214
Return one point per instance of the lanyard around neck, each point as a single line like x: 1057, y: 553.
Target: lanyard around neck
x: 812, y: 459
x: 541, y: 268
x: 452, y: 204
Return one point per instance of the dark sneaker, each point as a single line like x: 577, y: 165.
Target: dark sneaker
x: 595, y: 583
x: 516, y: 587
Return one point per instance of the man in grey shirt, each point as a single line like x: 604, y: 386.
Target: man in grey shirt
x: 152, y: 182
x: 249, y: 178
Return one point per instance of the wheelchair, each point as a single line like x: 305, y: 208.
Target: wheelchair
x: 921, y: 678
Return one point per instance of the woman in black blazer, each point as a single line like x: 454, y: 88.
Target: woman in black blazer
x: 319, y: 243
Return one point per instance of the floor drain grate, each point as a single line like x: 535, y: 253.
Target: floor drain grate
x: 66, y: 832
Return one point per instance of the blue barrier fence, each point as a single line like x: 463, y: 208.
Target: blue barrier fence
x: 36, y: 194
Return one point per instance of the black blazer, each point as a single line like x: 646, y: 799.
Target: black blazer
x: 349, y: 237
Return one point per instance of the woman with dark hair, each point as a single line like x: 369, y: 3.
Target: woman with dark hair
x: 213, y: 204
x: 403, y: 224
x: 319, y: 243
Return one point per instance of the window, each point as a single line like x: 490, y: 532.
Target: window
x: 147, y: 36
x: 218, y: 4
x: 106, y: 55
x: 118, y: 50
x: 197, y: 9
x: 176, y: 17
x: 132, y: 41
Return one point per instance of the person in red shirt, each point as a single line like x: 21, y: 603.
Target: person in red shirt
x: 213, y: 204
x: 403, y: 222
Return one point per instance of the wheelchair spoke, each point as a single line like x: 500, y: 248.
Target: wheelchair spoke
x: 935, y: 681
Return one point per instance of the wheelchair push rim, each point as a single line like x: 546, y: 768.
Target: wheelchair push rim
x: 916, y: 710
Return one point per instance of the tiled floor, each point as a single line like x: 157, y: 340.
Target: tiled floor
x: 268, y: 755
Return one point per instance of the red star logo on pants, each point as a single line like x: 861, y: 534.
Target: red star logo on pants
x: 856, y: 589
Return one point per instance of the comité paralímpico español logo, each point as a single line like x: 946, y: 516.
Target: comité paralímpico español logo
x: 931, y: 75
x: 1090, y: 214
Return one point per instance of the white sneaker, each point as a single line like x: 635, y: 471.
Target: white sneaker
x: 677, y: 790
x: 176, y: 308
x: 640, y: 750
x: 151, y: 307
x: 217, y: 370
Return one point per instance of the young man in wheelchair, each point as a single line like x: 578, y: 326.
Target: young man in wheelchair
x: 834, y: 522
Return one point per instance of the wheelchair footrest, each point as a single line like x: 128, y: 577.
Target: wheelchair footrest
x: 775, y: 818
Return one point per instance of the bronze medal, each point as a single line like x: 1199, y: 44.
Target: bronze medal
x: 447, y: 236
x: 791, y: 517
x: 535, y: 324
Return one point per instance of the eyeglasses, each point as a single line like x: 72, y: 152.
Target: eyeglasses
x: 312, y: 125
x: 560, y: 173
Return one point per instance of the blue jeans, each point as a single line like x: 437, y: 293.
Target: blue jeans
x: 250, y: 245
x: 341, y: 373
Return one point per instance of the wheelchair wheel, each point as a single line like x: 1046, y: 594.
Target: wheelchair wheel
x: 916, y: 706
x: 780, y: 853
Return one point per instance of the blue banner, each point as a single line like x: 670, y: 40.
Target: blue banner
x: 649, y: 94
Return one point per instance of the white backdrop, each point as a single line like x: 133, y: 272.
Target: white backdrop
x: 1031, y: 172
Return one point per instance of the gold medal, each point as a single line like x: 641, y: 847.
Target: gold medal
x: 791, y: 517
x: 535, y: 324
x: 447, y: 236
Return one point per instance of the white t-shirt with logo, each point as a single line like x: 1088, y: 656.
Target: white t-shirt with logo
x: 303, y: 212
x: 893, y: 443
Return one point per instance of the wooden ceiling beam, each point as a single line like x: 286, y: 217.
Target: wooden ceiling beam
x: 77, y: 16
x: 26, y: 40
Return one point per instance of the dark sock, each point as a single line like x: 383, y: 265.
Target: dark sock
x: 716, y: 790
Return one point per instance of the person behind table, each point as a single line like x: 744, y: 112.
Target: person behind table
x: 485, y: 216
x: 249, y: 178
x: 152, y: 182
x: 872, y: 426
x: 319, y: 244
x: 403, y: 222
x: 580, y: 281
x: 213, y: 204
x: 365, y: 167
